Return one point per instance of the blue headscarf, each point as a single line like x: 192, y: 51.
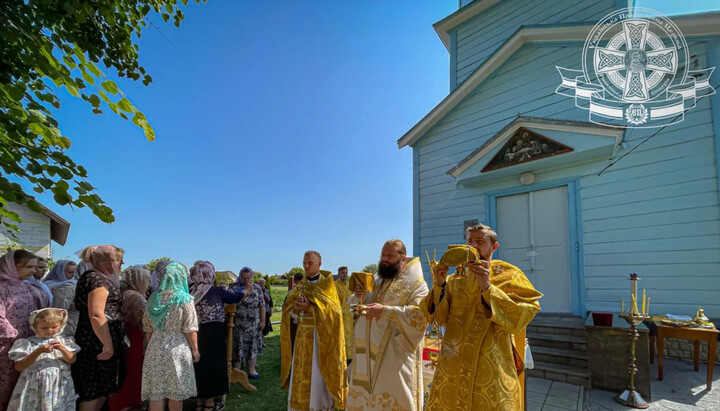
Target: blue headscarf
x: 56, y: 277
x: 174, y: 280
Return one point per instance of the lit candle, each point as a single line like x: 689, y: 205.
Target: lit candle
x: 643, y: 307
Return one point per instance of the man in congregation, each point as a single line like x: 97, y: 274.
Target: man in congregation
x: 344, y: 293
x: 481, y: 306
x: 387, y: 366
x: 314, y: 371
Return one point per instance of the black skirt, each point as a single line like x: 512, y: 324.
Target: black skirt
x: 211, y: 374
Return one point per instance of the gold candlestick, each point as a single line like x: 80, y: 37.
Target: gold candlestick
x: 630, y: 397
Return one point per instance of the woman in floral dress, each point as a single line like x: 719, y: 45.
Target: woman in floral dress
x: 249, y: 323
x: 172, y: 325
x: 16, y: 305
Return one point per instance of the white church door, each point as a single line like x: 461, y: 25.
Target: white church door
x: 533, y: 235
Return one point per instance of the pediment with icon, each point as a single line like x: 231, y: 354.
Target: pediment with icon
x: 525, y: 145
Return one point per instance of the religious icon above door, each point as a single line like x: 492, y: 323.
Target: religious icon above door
x: 525, y: 145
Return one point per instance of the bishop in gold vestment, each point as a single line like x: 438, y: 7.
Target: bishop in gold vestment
x: 314, y: 371
x: 475, y: 369
x: 387, y: 367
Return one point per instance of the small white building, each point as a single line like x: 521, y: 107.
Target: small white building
x: 36, y: 231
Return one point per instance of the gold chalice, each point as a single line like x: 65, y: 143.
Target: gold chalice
x: 367, y: 282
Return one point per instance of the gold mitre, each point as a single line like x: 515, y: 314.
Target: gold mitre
x: 365, y: 280
x: 459, y: 254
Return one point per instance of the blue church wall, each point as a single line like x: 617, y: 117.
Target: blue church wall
x: 656, y: 212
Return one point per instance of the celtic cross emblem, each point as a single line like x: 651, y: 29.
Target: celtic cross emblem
x: 634, y: 62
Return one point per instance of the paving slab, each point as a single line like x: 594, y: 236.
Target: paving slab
x: 682, y: 388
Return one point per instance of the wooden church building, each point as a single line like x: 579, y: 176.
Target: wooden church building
x: 577, y: 201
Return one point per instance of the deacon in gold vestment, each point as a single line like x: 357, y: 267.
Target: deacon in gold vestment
x: 344, y: 293
x: 481, y: 306
x: 387, y: 367
x: 314, y: 372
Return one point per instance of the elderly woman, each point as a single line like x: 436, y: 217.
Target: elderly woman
x: 100, y: 331
x: 211, y: 371
x: 61, y: 281
x: 133, y: 285
x: 172, y: 325
x: 249, y: 323
x: 16, y: 305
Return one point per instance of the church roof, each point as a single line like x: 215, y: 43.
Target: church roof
x: 700, y: 24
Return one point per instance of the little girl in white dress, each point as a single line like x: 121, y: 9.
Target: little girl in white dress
x: 44, y: 360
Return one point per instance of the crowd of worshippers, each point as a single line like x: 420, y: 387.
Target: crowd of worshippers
x: 331, y: 359
x: 90, y: 336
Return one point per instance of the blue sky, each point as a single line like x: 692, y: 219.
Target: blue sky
x: 276, y: 128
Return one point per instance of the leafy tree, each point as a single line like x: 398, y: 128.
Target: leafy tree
x: 370, y: 268
x: 46, y: 45
x: 294, y: 270
x: 151, y: 265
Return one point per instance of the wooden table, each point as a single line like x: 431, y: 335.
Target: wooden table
x: 695, y: 334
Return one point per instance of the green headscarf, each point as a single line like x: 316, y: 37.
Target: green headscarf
x: 175, y: 280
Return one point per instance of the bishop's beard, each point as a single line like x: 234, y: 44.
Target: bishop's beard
x: 389, y: 271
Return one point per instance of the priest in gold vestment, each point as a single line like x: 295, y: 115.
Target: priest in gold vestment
x: 344, y: 293
x: 481, y: 306
x: 387, y: 366
x: 314, y: 371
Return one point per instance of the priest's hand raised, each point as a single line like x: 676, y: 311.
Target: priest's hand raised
x: 481, y: 270
x: 374, y: 311
x: 439, y: 274
x: 302, y: 304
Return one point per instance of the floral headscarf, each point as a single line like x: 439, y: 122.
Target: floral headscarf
x: 8, y: 271
x: 175, y: 281
x: 56, y: 277
x: 34, y: 315
x: 158, y: 273
x: 136, y: 278
x: 202, y: 277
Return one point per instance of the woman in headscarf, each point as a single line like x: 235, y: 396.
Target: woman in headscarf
x: 156, y: 275
x: 61, y: 281
x: 134, y: 283
x: 171, y: 324
x: 249, y: 323
x: 100, y: 330
x: 44, y: 298
x: 211, y: 371
x: 16, y: 305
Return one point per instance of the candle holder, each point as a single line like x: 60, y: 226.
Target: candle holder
x: 630, y: 397
x: 433, y: 343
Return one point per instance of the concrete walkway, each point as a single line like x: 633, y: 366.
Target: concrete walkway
x: 681, y: 389
x: 546, y: 395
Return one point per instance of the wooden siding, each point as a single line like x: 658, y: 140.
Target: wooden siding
x: 656, y: 212
x: 480, y: 36
x: 34, y: 233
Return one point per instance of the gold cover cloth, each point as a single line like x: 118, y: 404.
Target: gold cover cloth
x: 344, y: 294
x: 387, y: 367
x: 475, y: 369
x: 324, y: 323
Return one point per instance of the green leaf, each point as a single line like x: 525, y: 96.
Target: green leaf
x: 110, y: 86
x: 125, y: 105
x: 94, y: 100
x: 36, y: 128
x: 72, y: 89
x: 94, y: 69
x: 88, y: 78
x: 46, y: 183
